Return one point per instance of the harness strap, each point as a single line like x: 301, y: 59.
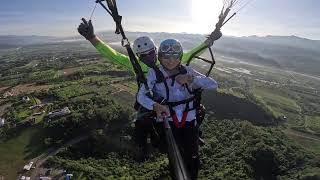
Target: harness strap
x: 161, y: 79
x: 186, y: 101
x: 185, y: 113
x: 183, y: 120
x: 189, y: 90
x: 173, y: 81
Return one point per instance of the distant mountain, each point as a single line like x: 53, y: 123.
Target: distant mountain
x: 283, y: 52
x: 12, y: 41
x: 294, y: 41
x: 186, y: 39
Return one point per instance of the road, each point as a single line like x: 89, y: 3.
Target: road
x: 40, y: 160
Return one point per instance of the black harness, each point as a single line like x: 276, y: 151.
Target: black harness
x: 195, y: 96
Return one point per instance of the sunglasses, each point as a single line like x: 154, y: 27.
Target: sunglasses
x: 146, y: 54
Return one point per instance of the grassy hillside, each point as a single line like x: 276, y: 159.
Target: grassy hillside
x: 19, y: 150
x: 234, y: 150
x: 243, y: 130
x: 222, y: 105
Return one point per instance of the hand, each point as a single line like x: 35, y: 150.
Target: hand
x: 161, y: 110
x: 86, y: 29
x: 184, y: 78
x: 215, y: 35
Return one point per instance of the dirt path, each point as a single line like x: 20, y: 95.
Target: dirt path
x: 116, y: 92
x: 303, y: 135
x: 40, y: 160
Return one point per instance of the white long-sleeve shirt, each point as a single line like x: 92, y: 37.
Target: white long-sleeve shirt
x: 177, y: 92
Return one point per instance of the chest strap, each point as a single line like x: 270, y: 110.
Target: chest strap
x: 185, y: 113
x: 161, y: 79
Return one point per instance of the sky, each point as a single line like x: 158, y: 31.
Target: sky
x: 260, y: 17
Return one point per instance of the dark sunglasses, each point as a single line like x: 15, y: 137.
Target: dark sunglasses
x: 146, y: 54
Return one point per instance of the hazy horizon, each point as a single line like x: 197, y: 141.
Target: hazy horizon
x: 260, y: 17
x: 109, y: 30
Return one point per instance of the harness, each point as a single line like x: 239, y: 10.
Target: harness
x: 164, y: 101
x: 174, y: 153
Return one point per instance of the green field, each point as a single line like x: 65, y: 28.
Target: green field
x: 310, y: 144
x: 280, y: 104
x: 70, y: 91
x: 313, y: 123
x: 43, y: 75
x: 24, y: 114
x: 281, y: 101
x: 18, y: 151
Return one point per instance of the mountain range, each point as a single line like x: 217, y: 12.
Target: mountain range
x: 285, y: 52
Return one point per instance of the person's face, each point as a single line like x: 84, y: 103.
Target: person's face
x: 170, y: 62
x: 149, y: 58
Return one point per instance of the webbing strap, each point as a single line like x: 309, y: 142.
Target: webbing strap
x: 183, y: 120
x: 186, y: 101
x: 184, y: 116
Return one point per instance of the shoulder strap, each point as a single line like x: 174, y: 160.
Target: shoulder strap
x: 161, y: 79
x: 182, y: 70
x: 159, y: 75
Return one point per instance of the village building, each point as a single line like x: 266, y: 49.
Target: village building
x: 36, y: 106
x: 25, y: 178
x: 44, y: 178
x: 28, y: 166
x: 60, y: 112
x: 38, y: 113
x: 2, y: 122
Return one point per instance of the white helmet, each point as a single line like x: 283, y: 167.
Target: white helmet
x: 143, y: 44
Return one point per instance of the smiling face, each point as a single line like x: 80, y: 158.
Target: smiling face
x: 170, y: 53
x: 170, y: 63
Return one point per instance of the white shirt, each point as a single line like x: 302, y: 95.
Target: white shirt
x: 177, y: 92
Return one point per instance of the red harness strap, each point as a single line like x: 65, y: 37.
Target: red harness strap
x: 183, y: 120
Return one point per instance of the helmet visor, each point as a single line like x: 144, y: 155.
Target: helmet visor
x: 170, y: 47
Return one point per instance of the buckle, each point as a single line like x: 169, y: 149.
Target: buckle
x: 125, y: 42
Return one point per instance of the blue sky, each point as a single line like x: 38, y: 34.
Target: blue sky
x: 261, y: 17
